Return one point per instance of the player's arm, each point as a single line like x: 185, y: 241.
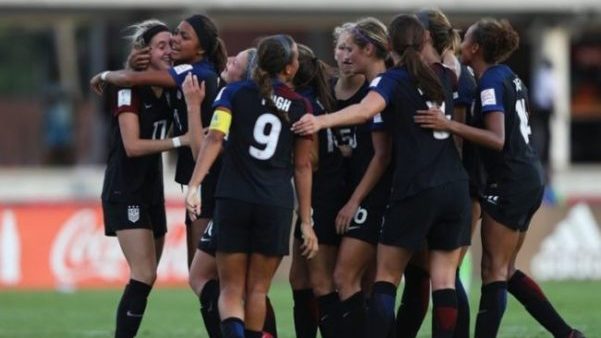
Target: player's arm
x: 372, y: 104
x: 492, y: 136
x: 129, y: 125
x: 130, y: 78
x: 303, y: 179
x: 382, y: 145
x: 210, y: 149
x: 194, y: 93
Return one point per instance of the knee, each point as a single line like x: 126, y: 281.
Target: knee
x: 322, y: 284
x: 146, y: 276
x: 493, y: 269
x: 341, y: 278
x: 196, y: 283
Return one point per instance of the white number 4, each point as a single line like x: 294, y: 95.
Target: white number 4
x: 269, y: 139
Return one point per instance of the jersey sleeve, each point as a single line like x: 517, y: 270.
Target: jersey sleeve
x: 127, y: 101
x: 383, y: 85
x: 491, y: 93
x: 224, y: 98
x: 179, y: 73
x: 377, y: 123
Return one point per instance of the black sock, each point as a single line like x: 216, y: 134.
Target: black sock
x: 493, y: 302
x: 270, y: 326
x: 329, y: 314
x: 232, y: 327
x: 414, y: 302
x: 380, y: 316
x: 527, y: 292
x: 462, y: 328
x: 131, y: 308
x: 253, y: 334
x: 444, y: 313
x: 305, y: 313
x: 209, y: 310
x: 352, y: 318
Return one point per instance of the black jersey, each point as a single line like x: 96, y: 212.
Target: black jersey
x: 136, y: 179
x: 258, y: 156
x: 360, y: 140
x: 328, y: 179
x: 500, y: 90
x: 205, y: 71
x: 423, y: 158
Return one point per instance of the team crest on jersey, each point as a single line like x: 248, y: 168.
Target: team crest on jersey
x: 488, y: 97
x: 133, y: 213
x: 124, y: 97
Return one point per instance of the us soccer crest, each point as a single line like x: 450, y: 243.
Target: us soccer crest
x: 133, y: 213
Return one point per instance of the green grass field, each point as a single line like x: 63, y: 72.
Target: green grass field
x: 174, y: 313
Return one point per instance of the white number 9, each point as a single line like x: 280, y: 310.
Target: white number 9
x: 268, y: 139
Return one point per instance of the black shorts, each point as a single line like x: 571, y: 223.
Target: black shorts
x: 207, y: 196
x: 439, y: 215
x: 512, y: 205
x: 252, y: 228
x: 366, y: 224
x: 207, y: 241
x: 324, y: 218
x: 123, y: 216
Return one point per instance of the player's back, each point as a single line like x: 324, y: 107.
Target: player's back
x: 258, y: 156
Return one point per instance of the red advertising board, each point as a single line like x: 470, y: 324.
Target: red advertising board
x: 63, y: 246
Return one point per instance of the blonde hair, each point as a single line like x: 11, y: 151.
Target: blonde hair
x: 138, y: 29
x: 371, y: 30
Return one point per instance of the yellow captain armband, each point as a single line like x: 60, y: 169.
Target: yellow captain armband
x: 221, y: 121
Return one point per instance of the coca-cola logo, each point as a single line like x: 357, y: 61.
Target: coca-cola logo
x: 81, y: 252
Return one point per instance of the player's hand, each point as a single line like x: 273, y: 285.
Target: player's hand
x: 433, y: 118
x: 345, y: 216
x: 194, y: 92
x: 193, y: 202
x: 309, y: 246
x: 307, y: 125
x: 97, y: 84
x: 139, y: 58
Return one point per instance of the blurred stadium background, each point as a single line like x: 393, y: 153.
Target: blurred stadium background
x: 54, y: 140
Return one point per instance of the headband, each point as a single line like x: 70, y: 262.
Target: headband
x: 208, y: 40
x: 251, y: 64
x: 152, y: 31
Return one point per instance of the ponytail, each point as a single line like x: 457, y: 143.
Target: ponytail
x: 263, y: 80
x: 407, y: 35
x: 274, y: 53
x: 219, y: 55
x: 423, y: 74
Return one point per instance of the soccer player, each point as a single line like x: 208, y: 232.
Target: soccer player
x: 514, y: 177
x: 429, y: 198
x: 364, y: 49
x: 442, y: 40
x: 314, y: 277
x: 132, y: 196
x: 203, y: 272
x: 253, y: 214
x: 197, y: 49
